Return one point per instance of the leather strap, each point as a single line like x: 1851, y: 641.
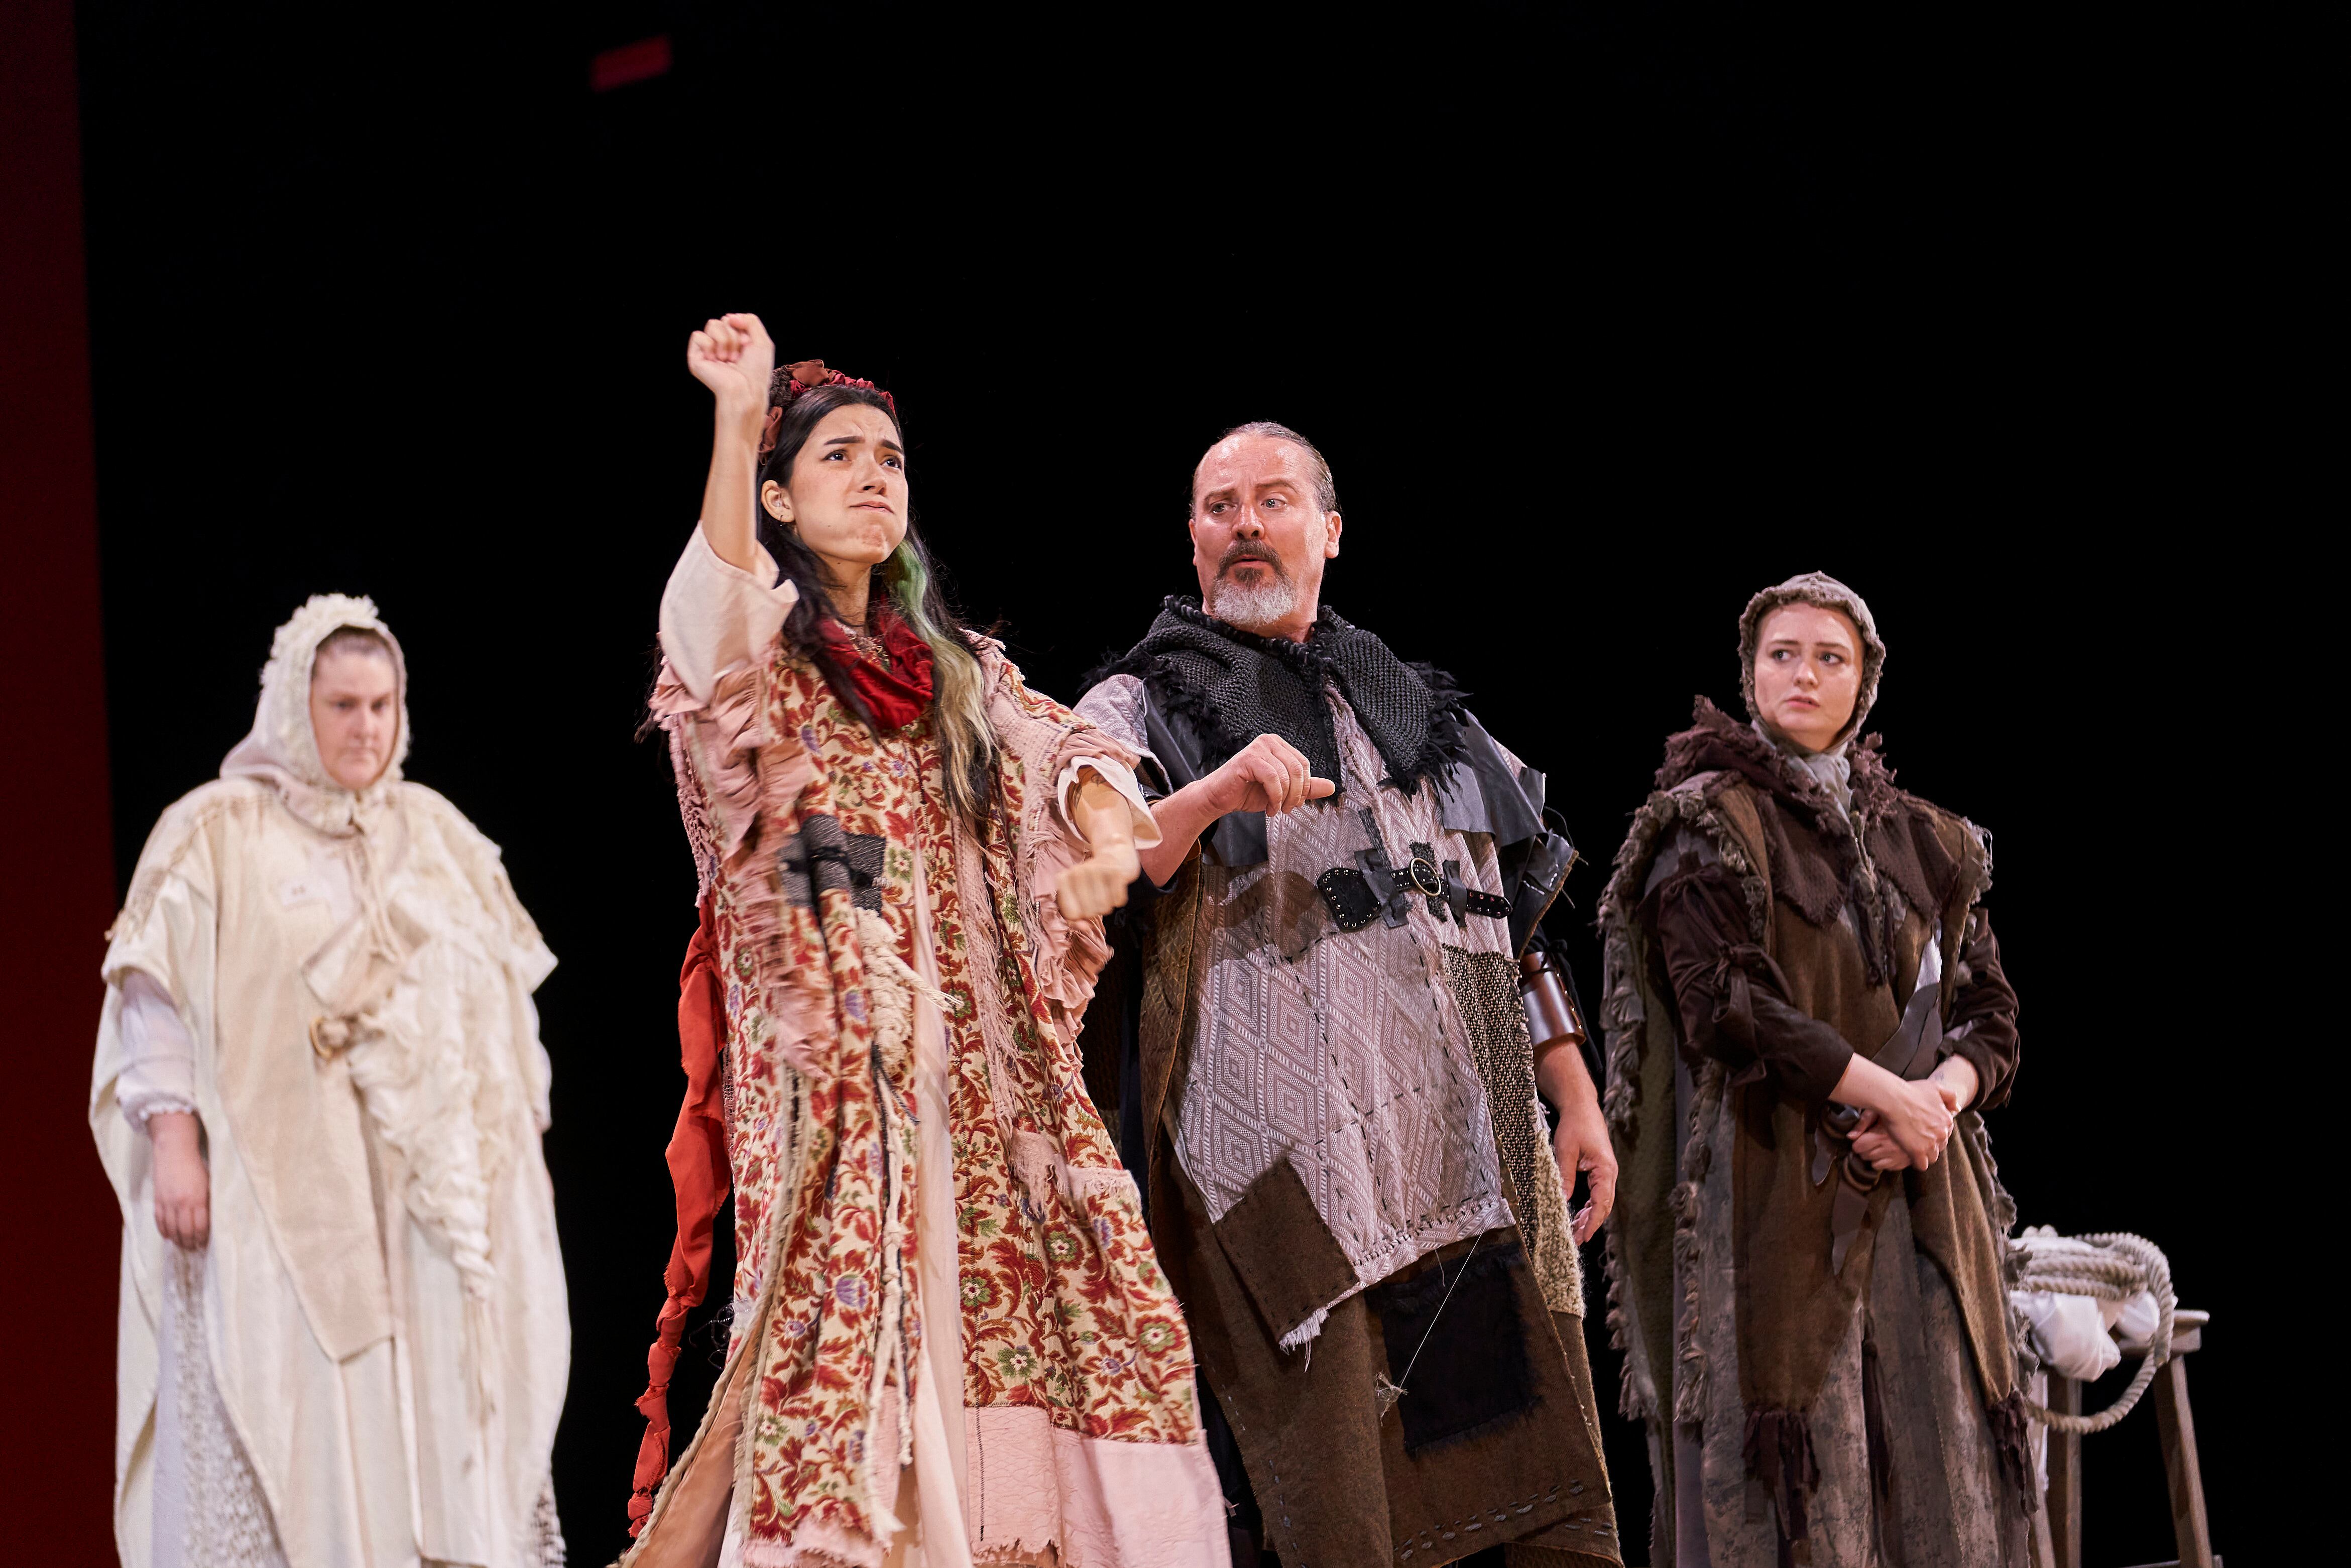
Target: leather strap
x: 1378, y: 888
x: 1849, y: 1208
x: 1541, y: 877
x: 1492, y: 905
x: 1348, y: 896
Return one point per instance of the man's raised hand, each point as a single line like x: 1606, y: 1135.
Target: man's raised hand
x: 1268, y: 775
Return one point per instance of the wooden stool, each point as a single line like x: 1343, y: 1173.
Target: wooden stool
x: 2062, y: 1507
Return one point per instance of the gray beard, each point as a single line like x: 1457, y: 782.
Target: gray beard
x: 1254, y: 607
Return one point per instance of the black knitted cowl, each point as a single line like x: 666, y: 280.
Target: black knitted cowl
x: 1233, y: 686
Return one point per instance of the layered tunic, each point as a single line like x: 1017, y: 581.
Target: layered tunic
x: 366, y: 1364
x: 1324, y: 1069
x: 951, y: 1340
x: 1823, y: 1355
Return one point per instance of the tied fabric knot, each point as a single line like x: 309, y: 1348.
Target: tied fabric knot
x: 331, y: 1032
x: 1734, y: 989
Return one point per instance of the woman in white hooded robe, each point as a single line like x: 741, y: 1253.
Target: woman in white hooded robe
x: 319, y: 1093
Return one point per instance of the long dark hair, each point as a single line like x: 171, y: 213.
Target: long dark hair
x: 909, y: 583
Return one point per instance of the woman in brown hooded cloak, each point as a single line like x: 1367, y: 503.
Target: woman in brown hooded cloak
x: 1805, y: 1014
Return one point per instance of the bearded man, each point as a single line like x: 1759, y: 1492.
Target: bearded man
x: 1322, y: 1069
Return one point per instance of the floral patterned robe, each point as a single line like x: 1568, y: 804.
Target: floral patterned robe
x: 864, y: 934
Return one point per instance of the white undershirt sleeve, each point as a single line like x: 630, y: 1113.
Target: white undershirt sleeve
x: 159, y: 1060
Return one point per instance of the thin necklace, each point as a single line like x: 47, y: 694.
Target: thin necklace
x: 868, y: 644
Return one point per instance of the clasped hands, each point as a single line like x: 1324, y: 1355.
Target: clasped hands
x: 1905, y: 1124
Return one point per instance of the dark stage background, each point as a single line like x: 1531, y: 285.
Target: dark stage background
x: 1604, y: 325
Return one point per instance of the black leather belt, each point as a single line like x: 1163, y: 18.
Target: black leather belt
x: 1378, y: 889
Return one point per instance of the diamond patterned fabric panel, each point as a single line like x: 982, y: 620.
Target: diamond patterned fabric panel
x: 1345, y: 1052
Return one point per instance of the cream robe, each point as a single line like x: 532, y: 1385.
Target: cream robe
x: 387, y: 1413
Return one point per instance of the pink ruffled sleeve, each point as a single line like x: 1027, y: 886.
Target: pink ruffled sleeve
x: 719, y: 631
x: 1053, y: 743
x: 1071, y: 953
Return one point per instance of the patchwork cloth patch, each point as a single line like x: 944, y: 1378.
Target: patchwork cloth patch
x: 1486, y: 985
x: 1457, y: 1346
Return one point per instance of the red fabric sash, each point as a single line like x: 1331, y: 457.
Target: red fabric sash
x: 896, y: 697
x: 698, y: 1169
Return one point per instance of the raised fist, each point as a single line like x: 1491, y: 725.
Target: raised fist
x: 733, y: 357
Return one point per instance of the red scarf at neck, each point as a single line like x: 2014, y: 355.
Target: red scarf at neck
x: 898, y: 696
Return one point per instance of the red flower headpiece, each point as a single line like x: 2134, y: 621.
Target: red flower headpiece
x: 790, y: 381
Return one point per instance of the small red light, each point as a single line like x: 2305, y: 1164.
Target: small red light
x: 640, y: 61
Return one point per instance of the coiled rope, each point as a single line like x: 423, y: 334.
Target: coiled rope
x: 2112, y: 1266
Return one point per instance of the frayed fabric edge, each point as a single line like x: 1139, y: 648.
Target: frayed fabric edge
x: 1042, y: 1168
x: 2011, y: 1434
x: 831, y: 1547
x: 1169, y: 1506
x: 1303, y: 1336
x: 1688, y: 1199
x: 1779, y: 1451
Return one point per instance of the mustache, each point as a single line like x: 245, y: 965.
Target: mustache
x: 1241, y: 550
